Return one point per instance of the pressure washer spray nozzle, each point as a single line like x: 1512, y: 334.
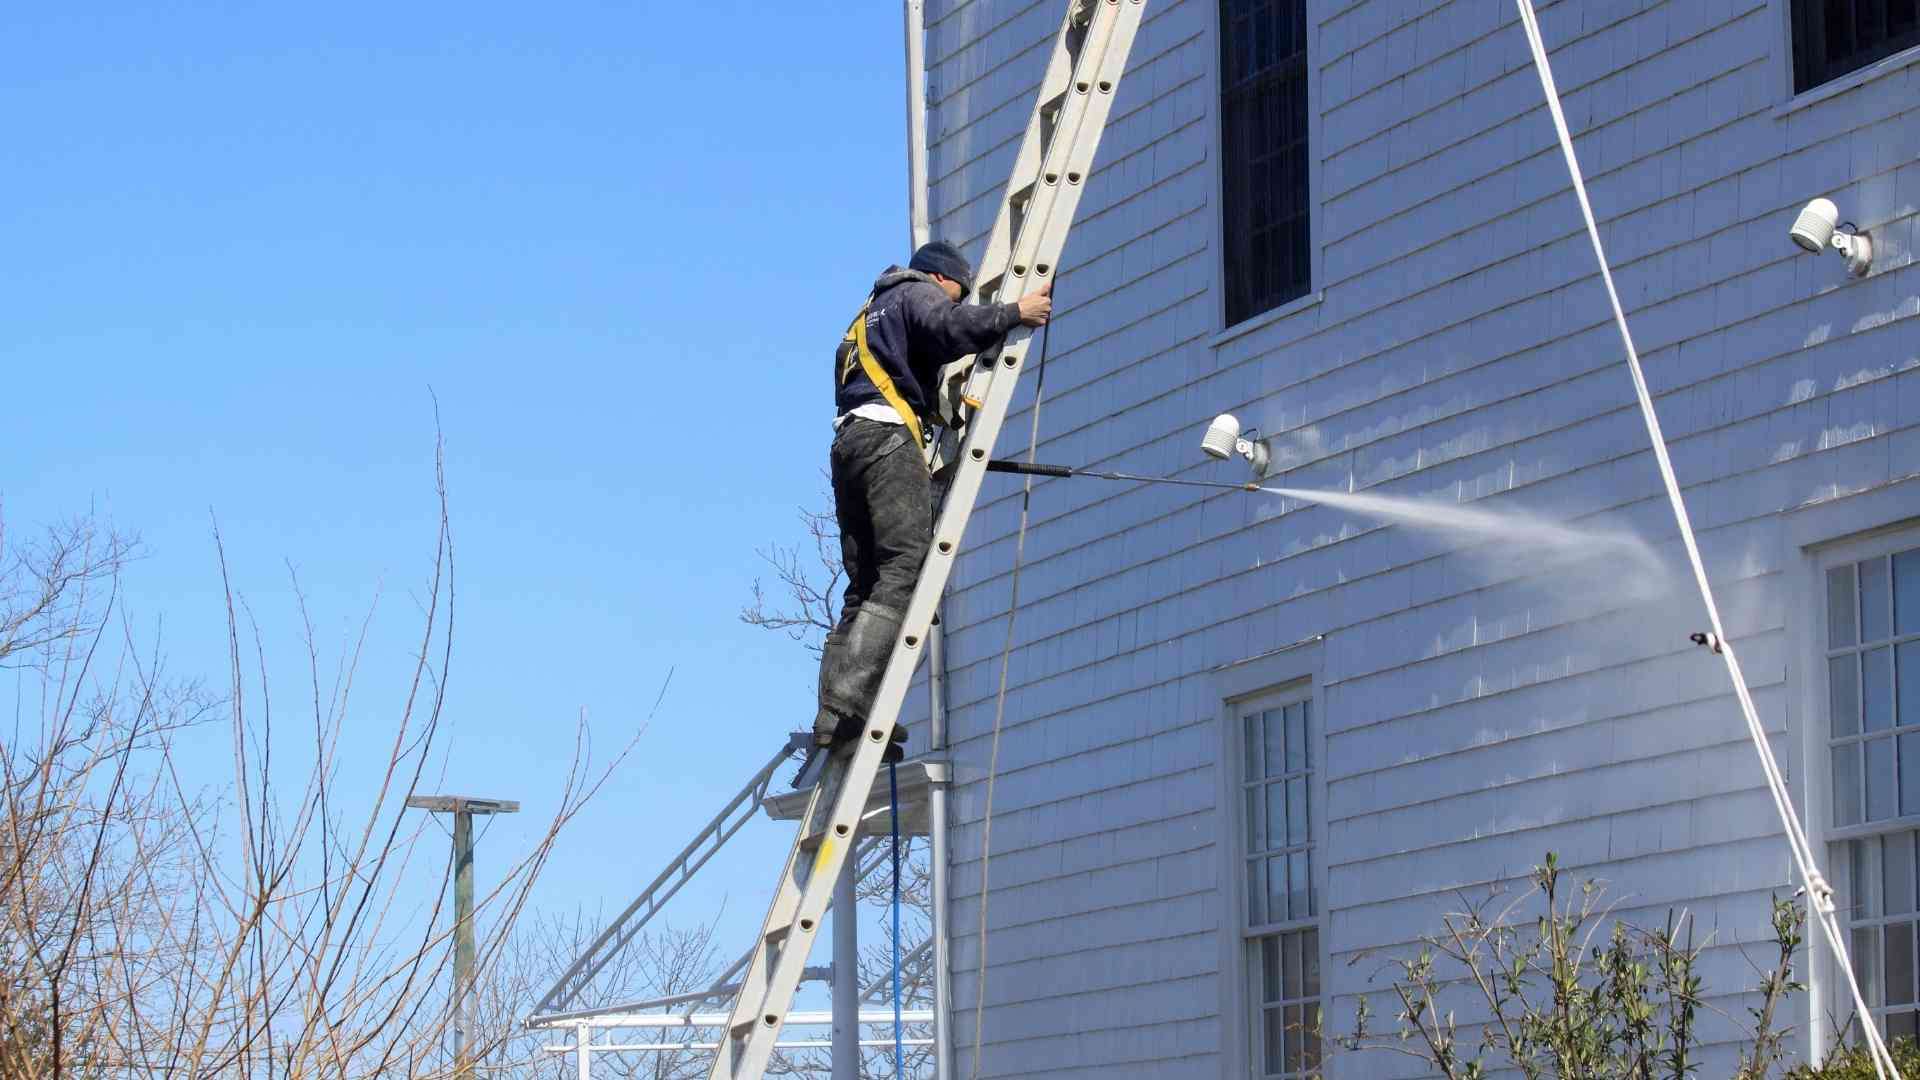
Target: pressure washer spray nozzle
x: 1026, y: 468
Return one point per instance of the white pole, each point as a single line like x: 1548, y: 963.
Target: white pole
x: 585, y: 1034
x: 916, y: 121
x: 846, y: 974
x: 920, y: 229
x: 937, y: 857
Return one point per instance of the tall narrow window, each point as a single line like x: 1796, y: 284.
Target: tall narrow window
x: 1833, y: 37
x: 1263, y: 154
x: 1282, y: 932
x: 1872, y: 661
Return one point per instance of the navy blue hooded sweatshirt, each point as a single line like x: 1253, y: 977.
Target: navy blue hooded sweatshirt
x: 912, y: 331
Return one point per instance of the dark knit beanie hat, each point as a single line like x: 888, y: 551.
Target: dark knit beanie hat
x: 940, y: 257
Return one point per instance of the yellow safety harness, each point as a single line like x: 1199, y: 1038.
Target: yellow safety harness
x: 856, y: 337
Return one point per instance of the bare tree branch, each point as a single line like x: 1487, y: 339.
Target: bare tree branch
x: 146, y: 929
x: 810, y: 581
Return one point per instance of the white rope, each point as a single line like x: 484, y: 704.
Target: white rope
x: 1819, y: 893
x: 1000, y: 702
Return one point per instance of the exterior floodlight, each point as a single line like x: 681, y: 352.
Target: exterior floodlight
x: 1814, y: 227
x: 1818, y: 227
x: 1224, y: 439
x: 1221, y: 434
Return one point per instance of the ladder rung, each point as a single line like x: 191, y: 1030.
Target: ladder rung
x: 779, y: 934
x: 744, y: 1028
x: 812, y: 841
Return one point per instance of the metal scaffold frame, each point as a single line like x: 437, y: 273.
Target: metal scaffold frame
x: 681, y: 1011
x: 702, y: 1027
x: 628, y: 924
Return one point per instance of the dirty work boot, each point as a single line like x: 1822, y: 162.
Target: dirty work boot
x: 851, y: 665
x: 836, y: 733
x: 826, y: 722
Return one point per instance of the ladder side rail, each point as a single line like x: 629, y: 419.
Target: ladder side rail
x: 781, y: 913
x: 1068, y: 165
x: 834, y: 815
x: 1082, y: 102
x: 724, y: 985
x: 1026, y: 163
x: 618, y: 933
x: 991, y: 278
x: 1016, y: 259
x: 1029, y: 258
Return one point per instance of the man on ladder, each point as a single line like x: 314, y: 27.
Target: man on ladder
x: 885, y: 372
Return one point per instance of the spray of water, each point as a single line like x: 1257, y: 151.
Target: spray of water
x: 1518, y: 542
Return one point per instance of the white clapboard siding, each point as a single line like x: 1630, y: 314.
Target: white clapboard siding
x: 1460, y: 347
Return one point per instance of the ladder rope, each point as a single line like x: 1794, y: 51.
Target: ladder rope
x: 899, y: 1032
x: 1000, y: 697
x: 1819, y: 893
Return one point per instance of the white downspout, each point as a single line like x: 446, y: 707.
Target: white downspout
x: 917, y: 121
x: 919, y: 231
x: 846, y: 971
x: 937, y: 858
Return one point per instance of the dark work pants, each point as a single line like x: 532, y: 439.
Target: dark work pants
x: 883, y: 500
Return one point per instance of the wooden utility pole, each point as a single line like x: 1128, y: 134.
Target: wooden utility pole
x: 460, y: 1003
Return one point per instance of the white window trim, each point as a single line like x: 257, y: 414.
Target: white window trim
x: 1260, y: 321
x: 1316, y: 232
x: 1789, y: 102
x: 1878, y: 521
x: 1272, y: 675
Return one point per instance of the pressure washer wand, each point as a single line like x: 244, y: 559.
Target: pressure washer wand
x: 1068, y: 472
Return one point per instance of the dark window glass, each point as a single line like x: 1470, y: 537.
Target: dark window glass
x: 1263, y: 129
x: 1833, y: 37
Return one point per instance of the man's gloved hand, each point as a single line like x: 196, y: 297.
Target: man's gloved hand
x: 1037, y: 307
x: 950, y: 401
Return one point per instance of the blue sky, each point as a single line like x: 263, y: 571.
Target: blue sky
x: 242, y: 244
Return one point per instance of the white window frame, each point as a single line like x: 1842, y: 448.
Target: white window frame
x: 1879, y: 521
x: 1316, y: 242
x: 1878, y: 544
x: 1292, y: 673
x: 1789, y: 102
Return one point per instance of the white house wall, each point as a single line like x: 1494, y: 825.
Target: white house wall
x: 1460, y: 347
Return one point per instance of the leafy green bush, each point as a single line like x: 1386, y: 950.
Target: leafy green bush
x: 1853, y: 1063
x: 1572, y: 993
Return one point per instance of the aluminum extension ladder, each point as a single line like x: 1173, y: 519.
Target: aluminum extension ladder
x: 1056, y: 156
